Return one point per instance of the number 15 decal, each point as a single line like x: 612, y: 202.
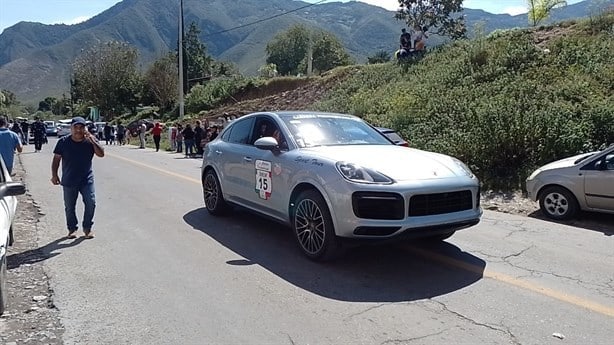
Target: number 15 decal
x: 264, y: 185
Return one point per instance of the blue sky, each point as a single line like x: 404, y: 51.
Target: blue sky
x: 76, y: 11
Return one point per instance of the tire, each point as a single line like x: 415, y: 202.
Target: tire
x: 4, y: 294
x: 558, y: 203
x: 212, y: 194
x: 313, y: 227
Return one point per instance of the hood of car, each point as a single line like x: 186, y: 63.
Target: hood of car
x: 566, y: 162
x: 396, y: 162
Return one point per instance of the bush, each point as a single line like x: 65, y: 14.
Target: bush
x: 499, y: 103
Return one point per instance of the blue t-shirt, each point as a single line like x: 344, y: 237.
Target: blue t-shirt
x: 76, y: 161
x: 9, y: 141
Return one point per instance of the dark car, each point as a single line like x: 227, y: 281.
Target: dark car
x: 393, y: 136
x: 133, y: 127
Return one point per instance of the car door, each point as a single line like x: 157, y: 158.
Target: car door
x: 599, y: 183
x: 232, y: 154
x: 270, y: 171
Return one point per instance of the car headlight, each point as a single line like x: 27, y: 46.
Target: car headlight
x: 358, y: 174
x: 463, y: 167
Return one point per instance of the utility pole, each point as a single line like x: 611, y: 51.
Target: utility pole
x: 310, y: 55
x: 180, y: 52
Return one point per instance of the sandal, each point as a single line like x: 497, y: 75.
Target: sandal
x: 88, y: 234
x: 72, y: 234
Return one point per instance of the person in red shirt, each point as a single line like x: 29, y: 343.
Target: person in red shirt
x: 156, y: 132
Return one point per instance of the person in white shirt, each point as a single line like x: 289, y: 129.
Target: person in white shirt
x: 418, y: 38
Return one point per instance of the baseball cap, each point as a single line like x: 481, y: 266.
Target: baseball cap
x: 77, y: 121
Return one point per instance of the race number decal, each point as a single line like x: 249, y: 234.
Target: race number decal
x: 264, y: 185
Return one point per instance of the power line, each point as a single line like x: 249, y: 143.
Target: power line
x: 265, y: 19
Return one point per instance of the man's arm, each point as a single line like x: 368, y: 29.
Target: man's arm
x: 55, y: 164
x: 19, y: 146
x: 98, y: 150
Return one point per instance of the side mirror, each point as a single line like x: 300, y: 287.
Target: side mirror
x: 600, y: 165
x: 12, y: 189
x: 267, y: 143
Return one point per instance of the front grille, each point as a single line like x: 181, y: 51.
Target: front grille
x: 440, y: 203
x: 378, y: 205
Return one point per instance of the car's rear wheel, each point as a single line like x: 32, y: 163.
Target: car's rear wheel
x: 558, y: 203
x: 4, y: 294
x: 313, y: 227
x: 212, y: 194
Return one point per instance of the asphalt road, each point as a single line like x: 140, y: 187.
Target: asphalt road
x: 163, y: 271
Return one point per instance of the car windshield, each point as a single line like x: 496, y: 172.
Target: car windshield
x: 583, y: 158
x: 310, y: 130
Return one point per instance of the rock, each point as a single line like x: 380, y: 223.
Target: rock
x: 39, y: 298
x: 558, y: 335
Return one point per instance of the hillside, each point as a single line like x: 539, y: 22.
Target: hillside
x: 35, y: 58
x: 505, y: 103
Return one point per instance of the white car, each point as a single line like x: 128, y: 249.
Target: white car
x: 334, y: 178
x: 63, y: 129
x: 583, y: 182
x: 8, y: 191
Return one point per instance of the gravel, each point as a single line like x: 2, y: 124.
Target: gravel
x: 31, y: 316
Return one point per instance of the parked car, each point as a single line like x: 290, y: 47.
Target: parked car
x: 50, y: 128
x: 8, y: 190
x: 63, y: 129
x: 394, y: 136
x: 582, y: 182
x: 333, y: 177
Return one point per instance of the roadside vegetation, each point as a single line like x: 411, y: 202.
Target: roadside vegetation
x: 505, y: 103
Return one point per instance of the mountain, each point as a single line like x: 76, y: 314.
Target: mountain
x: 35, y: 59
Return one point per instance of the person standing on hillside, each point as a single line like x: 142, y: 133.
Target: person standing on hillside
x: 405, y: 40
x: 9, y: 142
x: 76, y: 151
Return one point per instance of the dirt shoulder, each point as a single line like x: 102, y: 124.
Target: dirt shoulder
x: 31, y: 316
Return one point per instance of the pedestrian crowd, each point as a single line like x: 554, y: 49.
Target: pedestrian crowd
x: 74, y: 154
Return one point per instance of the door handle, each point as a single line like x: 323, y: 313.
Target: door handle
x: 247, y: 159
x: 218, y: 152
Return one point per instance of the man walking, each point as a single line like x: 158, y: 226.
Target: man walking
x: 38, y: 130
x: 9, y: 142
x: 76, y: 151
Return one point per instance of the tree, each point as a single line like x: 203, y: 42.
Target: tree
x: 198, y: 63
x: 161, y: 81
x: 379, y: 57
x: 442, y: 15
x: 106, y: 76
x: 288, y: 51
x: 328, y: 52
x: 540, y: 9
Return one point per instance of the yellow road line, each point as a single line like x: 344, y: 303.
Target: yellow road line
x: 166, y: 172
x: 561, y: 296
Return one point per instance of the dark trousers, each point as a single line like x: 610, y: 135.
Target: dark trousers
x: 38, y: 143
x: 156, y: 139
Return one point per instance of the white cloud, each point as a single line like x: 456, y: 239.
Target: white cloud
x: 391, y: 5
x: 514, y: 10
x: 76, y: 20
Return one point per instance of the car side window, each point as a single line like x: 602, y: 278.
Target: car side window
x: 240, y: 132
x: 266, y: 127
x: 609, y: 161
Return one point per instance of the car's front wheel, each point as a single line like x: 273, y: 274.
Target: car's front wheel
x: 313, y: 227
x: 212, y: 193
x: 558, y: 203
